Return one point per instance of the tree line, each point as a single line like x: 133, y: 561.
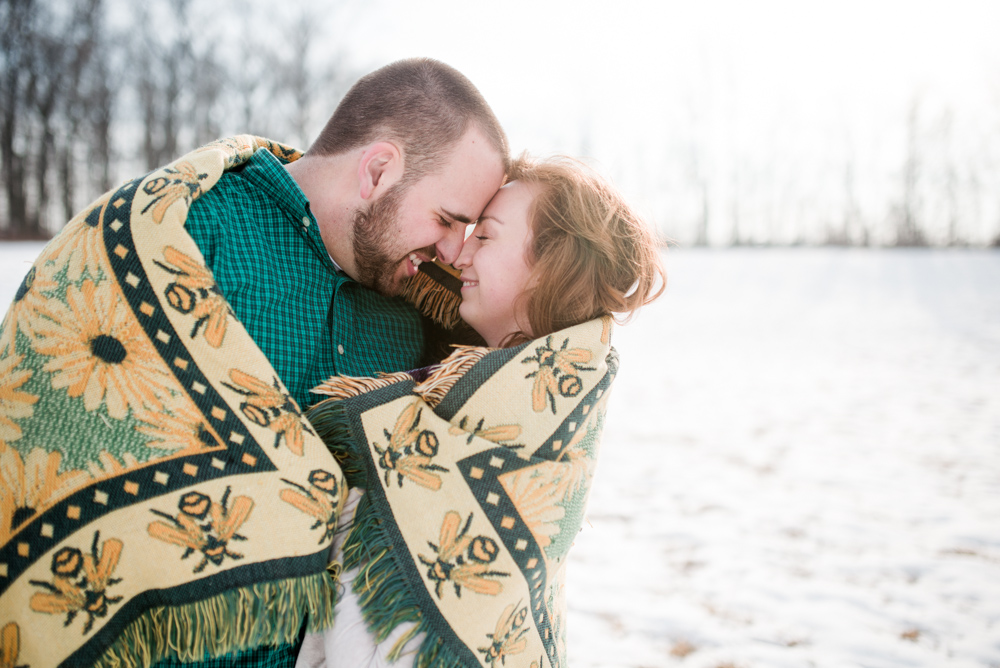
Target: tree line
x: 91, y: 90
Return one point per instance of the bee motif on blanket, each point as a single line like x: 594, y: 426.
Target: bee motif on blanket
x: 508, y: 637
x: 81, y: 582
x: 10, y: 646
x: 500, y: 434
x: 196, y: 292
x: 320, y: 500
x: 558, y: 373
x: 182, y: 182
x: 204, y: 526
x: 410, y: 451
x: 463, y: 560
x: 268, y: 406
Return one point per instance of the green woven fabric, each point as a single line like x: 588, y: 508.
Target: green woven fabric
x: 263, y: 245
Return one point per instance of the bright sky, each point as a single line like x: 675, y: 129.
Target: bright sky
x: 777, y: 84
x: 551, y: 67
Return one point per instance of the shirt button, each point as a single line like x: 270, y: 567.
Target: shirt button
x: 340, y: 348
x: 305, y: 221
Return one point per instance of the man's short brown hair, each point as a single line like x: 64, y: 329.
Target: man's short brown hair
x: 420, y: 104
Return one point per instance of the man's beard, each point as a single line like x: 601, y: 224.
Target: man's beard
x: 375, y: 230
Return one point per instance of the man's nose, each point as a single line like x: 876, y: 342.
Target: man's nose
x: 450, y: 245
x: 465, y: 256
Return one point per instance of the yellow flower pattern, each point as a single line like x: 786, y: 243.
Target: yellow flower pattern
x: 80, y: 246
x: 14, y: 403
x: 31, y: 485
x: 100, y: 352
x: 29, y: 303
x: 183, y: 430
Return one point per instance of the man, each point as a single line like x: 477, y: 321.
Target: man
x: 310, y: 254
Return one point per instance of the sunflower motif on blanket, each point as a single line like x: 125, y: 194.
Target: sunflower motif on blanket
x: 182, y: 182
x: 31, y: 485
x: 270, y: 406
x: 100, y: 352
x: 558, y: 373
x: 462, y: 560
x: 320, y: 500
x: 410, y: 451
x: 29, y: 302
x: 195, y: 293
x: 14, y: 403
x: 204, y: 526
x: 183, y: 430
x: 81, y: 582
x: 79, y: 248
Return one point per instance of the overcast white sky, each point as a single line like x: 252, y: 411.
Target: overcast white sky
x: 548, y: 65
x: 770, y: 102
x: 775, y: 84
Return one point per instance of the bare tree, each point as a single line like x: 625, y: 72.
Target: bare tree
x: 908, y: 230
x: 18, y: 18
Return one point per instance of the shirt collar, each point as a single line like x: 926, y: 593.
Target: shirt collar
x: 267, y: 172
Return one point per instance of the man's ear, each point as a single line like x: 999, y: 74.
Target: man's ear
x: 380, y: 167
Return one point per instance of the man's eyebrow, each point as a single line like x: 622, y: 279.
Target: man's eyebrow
x: 457, y: 216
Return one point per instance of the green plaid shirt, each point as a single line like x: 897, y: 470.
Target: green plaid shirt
x: 263, y: 244
x: 281, y: 656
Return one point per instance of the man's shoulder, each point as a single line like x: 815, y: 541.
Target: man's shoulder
x: 231, y: 185
x: 233, y: 197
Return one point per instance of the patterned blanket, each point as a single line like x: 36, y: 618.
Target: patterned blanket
x: 161, y: 495
x: 160, y: 492
x: 475, y: 480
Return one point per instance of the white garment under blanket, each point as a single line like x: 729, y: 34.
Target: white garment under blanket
x: 349, y: 644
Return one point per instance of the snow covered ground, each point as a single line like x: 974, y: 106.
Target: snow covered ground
x: 801, y: 466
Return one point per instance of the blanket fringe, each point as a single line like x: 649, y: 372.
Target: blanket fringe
x: 269, y: 613
x: 384, y: 594
x: 436, y: 291
x: 342, y: 387
x: 450, y: 371
x: 329, y: 420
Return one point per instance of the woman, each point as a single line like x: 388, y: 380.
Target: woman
x: 556, y: 254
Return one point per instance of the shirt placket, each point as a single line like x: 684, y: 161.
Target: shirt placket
x: 339, y: 321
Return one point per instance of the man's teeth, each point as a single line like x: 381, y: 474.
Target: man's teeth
x: 415, y: 260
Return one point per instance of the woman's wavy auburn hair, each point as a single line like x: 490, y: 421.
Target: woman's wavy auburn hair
x: 590, y: 254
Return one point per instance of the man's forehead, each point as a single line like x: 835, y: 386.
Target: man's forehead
x: 470, y: 178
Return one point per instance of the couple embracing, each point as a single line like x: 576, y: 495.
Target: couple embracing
x: 233, y: 430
